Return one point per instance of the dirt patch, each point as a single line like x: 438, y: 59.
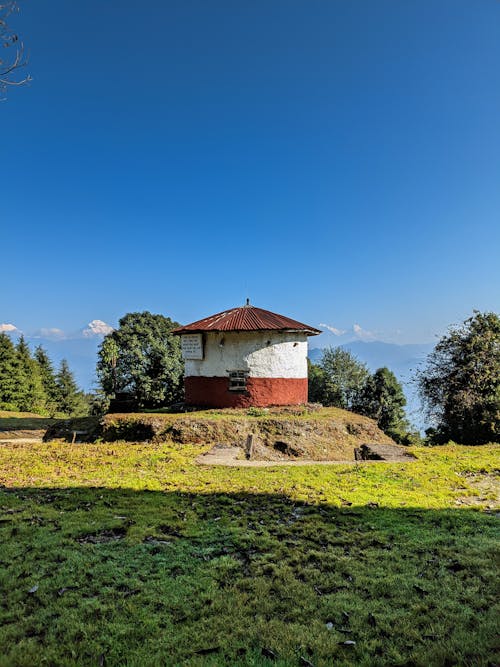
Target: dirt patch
x: 25, y: 435
x: 485, y: 488
x: 221, y: 455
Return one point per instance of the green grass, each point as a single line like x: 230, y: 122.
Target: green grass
x: 292, y: 413
x: 140, y: 557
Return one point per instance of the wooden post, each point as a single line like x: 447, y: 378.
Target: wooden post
x: 249, y: 446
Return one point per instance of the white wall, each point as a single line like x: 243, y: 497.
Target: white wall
x: 263, y: 354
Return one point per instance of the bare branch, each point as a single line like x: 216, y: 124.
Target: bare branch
x: 10, y: 66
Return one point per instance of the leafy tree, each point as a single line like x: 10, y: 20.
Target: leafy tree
x: 108, y: 354
x: 142, y: 357
x: 346, y: 377
x: 70, y: 400
x: 316, y: 383
x: 30, y: 395
x: 48, y: 379
x: 338, y: 380
x: 383, y: 399
x: 13, y: 49
x: 460, y: 385
x: 8, y: 367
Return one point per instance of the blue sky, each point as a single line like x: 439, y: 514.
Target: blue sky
x: 338, y: 162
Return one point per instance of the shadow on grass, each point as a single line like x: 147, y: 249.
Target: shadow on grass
x: 102, y: 576
x: 25, y: 423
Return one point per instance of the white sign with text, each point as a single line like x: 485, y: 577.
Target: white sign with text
x: 192, y: 346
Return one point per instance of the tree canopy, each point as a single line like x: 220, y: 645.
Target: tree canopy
x: 338, y: 380
x: 460, y: 385
x: 69, y: 399
x: 382, y: 399
x: 142, y: 358
x: 341, y: 380
x: 9, y: 386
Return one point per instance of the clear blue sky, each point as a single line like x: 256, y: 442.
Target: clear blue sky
x: 336, y: 161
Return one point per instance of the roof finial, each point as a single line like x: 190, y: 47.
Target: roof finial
x: 248, y: 301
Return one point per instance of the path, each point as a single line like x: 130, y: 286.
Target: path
x: 232, y: 456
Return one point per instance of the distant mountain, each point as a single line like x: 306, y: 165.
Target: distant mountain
x: 315, y: 354
x: 402, y: 360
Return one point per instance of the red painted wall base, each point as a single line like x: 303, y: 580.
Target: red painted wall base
x: 261, y: 392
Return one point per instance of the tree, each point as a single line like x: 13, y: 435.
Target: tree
x: 460, y: 385
x: 13, y: 48
x: 383, y: 399
x: 70, y: 400
x: 48, y: 379
x: 109, y: 357
x: 8, y: 366
x: 339, y: 380
x: 316, y: 383
x: 143, y: 358
x: 30, y: 395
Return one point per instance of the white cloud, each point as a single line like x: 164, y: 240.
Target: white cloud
x: 333, y: 330
x: 362, y: 334
x: 96, y: 328
x: 8, y: 327
x: 50, y: 332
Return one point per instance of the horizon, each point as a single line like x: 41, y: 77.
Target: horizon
x: 97, y: 328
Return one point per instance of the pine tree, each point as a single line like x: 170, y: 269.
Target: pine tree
x: 8, y: 366
x: 383, y: 399
x: 31, y: 396
x: 48, y: 378
x: 70, y: 400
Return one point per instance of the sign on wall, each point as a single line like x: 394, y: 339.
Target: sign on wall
x: 192, y: 346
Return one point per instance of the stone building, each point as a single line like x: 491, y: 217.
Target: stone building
x: 245, y: 357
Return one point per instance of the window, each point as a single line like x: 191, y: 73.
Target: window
x: 238, y: 380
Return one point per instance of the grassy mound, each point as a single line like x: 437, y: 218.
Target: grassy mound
x: 321, y: 434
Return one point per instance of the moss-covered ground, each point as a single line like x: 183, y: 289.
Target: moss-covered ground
x: 130, y: 554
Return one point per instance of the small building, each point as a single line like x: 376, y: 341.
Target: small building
x: 245, y: 357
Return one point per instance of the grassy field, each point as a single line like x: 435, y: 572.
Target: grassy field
x: 130, y: 554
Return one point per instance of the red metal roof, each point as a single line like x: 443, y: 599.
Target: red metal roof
x: 246, y: 318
